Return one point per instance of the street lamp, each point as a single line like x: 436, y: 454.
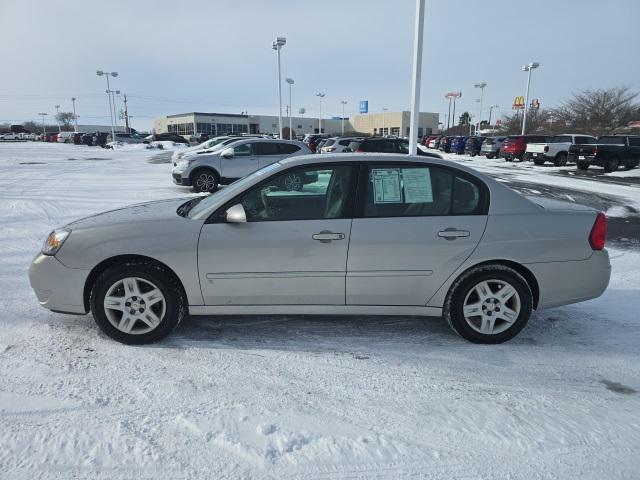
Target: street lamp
x: 100, y: 73
x: 384, y: 120
x: 416, y: 74
x: 57, y: 115
x: 321, y: 96
x: 277, y: 44
x: 75, y: 117
x: 44, y: 129
x: 481, y: 87
x: 527, y: 68
x: 290, y: 82
x: 491, y: 111
x: 343, y: 102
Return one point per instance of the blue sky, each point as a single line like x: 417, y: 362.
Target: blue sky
x: 175, y: 57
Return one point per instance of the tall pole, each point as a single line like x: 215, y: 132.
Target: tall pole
x: 44, y: 128
x: 113, y: 128
x: 384, y: 120
x: 481, y: 87
x: 527, y: 68
x: 75, y: 117
x: 417, y: 73
x: 57, y: 120
x: 343, y: 102
x: 126, y: 116
x: 278, y: 43
x: 453, y: 118
x: 449, y: 114
x: 290, y: 81
x: 115, y: 112
x: 321, y: 96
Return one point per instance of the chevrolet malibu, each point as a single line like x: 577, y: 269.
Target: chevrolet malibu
x: 373, y: 234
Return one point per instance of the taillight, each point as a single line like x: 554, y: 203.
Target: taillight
x: 598, y: 234
x: 546, y: 148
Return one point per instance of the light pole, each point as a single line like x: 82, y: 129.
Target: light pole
x: 417, y: 73
x: 527, y: 68
x: 57, y: 115
x: 100, y: 73
x: 277, y: 44
x: 384, y: 120
x: 44, y: 129
x: 481, y: 87
x: 290, y: 82
x: 75, y: 117
x: 491, y: 111
x: 320, y: 96
x: 343, y: 102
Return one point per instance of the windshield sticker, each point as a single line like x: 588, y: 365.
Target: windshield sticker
x: 386, y: 185
x: 417, y: 185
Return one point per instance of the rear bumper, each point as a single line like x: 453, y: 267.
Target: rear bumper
x: 57, y: 287
x: 572, y: 157
x: 563, y: 283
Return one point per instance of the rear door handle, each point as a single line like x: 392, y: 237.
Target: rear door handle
x: 452, y: 233
x: 325, y: 236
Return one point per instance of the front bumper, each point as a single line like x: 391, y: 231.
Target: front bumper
x: 58, y: 287
x: 178, y: 179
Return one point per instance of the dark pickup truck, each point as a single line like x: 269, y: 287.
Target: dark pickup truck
x: 609, y: 152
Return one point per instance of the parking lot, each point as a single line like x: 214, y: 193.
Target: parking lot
x: 309, y: 397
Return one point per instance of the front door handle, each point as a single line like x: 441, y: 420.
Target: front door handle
x: 453, y: 233
x: 325, y: 236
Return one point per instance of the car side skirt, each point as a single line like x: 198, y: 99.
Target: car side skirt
x: 315, y: 310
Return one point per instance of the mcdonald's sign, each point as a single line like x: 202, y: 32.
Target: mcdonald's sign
x: 518, y: 103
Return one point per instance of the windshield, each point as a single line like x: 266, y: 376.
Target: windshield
x: 234, y: 188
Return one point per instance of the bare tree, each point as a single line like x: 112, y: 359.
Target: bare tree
x: 598, y: 112
x: 66, y: 120
x: 537, y: 121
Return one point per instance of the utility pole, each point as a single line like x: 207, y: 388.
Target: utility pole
x: 320, y: 96
x: 384, y: 120
x: 527, y: 68
x: 75, y: 117
x: 126, y: 115
x: 343, y: 102
x: 277, y: 44
x: 481, y: 87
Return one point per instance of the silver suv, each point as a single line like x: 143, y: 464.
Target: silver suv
x: 205, y: 170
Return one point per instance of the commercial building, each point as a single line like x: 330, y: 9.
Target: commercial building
x: 377, y: 124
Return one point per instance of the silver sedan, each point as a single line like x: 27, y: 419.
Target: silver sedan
x: 368, y: 234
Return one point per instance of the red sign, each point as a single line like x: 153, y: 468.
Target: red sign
x: 453, y: 95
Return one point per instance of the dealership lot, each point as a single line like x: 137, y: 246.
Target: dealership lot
x: 284, y: 397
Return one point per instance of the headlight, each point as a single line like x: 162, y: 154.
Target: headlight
x: 54, y: 241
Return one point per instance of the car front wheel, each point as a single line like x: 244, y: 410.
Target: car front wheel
x: 137, y: 302
x: 489, y: 304
x: 205, y: 181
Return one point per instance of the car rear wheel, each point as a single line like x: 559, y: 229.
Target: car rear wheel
x: 137, y: 302
x: 205, y: 181
x: 538, y: 161
x: 489, y: 156
x: 489, y: 304
x: 611, y: 165
x: 582, y: 165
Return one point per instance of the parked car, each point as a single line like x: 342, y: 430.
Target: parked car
x: 473, y: 145
x: 445, y: 144
x: 385, y: 145
x: 320, y: 144
x: 491, y: 146
x: 423, y: 236
x: 457, y: 145
x: 435, y: 142
x: 65, y: 137
x: 610, y: 152
x: 337, y: 144
x: 311, y: 140
x: 514, y: 146
x: 128, y: 138
x: 426, y: 139
x: 204, y: 172
x: 53, y: 137
x: 100, y: 139
x: 166, y: 137
x: 556, y: 150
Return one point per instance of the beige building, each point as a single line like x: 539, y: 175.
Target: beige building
x: 394, y: 123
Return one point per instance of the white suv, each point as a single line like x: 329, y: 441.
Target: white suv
x: 205, y: 170
x: 337, y: 144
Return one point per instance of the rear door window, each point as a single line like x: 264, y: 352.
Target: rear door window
x: 287, y: 148
x: 267, y: 148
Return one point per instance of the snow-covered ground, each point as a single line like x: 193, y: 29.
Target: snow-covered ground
x: 300, y: 398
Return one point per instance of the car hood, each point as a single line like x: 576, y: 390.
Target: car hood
x: 140, y: 212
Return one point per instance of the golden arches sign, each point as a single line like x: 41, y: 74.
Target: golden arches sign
x: 518, y: 102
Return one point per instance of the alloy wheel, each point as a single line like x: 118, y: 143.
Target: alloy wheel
x: 206, y: 182
x: 491, y: 307
x: 134, y: 305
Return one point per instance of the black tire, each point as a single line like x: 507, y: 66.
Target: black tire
x: 611, y: 164
x: 205, y: 180
x: 560, y: 160
x: 489, y: 156
x: 582, y: 165
x: 463, y: 286
x: 538, y: 161
x: 175, y: 304
x: 630, y: 165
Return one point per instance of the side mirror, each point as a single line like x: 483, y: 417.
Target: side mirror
x: 236, y: 214
x: 227, y: 153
